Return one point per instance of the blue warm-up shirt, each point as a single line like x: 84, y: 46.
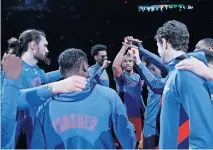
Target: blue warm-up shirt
x: 31, y: 76
x: 157, y: 86
x: 11, y: 96
x: 129, y: 87
x: 82, y: 120
x: 185, y: 89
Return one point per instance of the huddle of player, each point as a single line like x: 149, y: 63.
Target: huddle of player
x: 80, y: 111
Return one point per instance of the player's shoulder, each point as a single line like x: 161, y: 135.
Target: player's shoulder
x: 107, y: 94
x: 92, y: 67
x: 137, y: 75
x: 39, y: 69
x: 104, y: 91
x: 185, y: 75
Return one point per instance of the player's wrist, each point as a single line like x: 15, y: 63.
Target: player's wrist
x: 209, y: 74
x: 138, y: 61
x: 53, y: 87
x: 124, y: 48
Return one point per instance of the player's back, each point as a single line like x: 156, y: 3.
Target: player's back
x: 83, y: 120
x: 186, y: 96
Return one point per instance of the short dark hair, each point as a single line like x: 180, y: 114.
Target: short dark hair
x: 208, y: 42
x: 176, y: 33
x: 19, y: 46
x: 96, y: 48
x: 12, y: 46
x: 70, y: 60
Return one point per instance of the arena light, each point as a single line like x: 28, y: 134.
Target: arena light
x: 152, y: 8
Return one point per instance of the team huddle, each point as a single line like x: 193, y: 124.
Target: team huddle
x: 75, y: 108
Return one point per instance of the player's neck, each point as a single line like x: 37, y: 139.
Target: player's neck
x: 28, y: 58
x: 74, y: 73
x: 98, y: 64
x: 131, y: 72
x: 174, y: 54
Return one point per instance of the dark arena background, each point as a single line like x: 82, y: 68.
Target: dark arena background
x: 83, y: 23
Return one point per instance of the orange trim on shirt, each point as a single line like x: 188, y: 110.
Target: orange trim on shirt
x: 183, y: 132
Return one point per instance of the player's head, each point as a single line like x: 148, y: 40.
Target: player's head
x: 12, y: 44
x: 209, y: 57
x: 31, y: 41
x: 171, y: 37
x: 99, y: 52
x: 153, y: 69
x: 128, y: 62
x: 206, y: 43
x: 73, y: 62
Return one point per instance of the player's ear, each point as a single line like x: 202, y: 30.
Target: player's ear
x: 60, y: 70
x: 85, y: 66
x: 95, y: 57
x: 165, y: 43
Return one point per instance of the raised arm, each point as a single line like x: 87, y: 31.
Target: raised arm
x: 154, y: 83
x: 152, y: 58
x: 117, y: 63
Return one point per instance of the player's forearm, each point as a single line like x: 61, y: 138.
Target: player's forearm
x: 154, y: 83
x: 53, y: 76
x: 154, y: 59
x: 119, y: 58
x: 38, y: 95
x: 34, y: 96
x: 97, y: 75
